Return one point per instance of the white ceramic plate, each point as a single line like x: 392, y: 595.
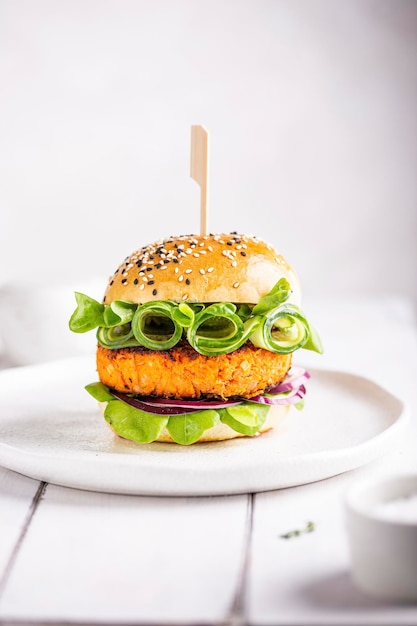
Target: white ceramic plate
x: 52, y: 430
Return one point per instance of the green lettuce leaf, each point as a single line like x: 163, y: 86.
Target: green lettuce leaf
x: 118, y: 313
x: 279, y: 293
x: 88, y: 314
x: 143, y: 427
x: 188, y: 428
x: 313, y: 342
x: 134, y: 424
x: 246, y: 418
x: 100, y: 392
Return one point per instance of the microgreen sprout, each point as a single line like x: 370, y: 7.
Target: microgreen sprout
x: 310, y: 526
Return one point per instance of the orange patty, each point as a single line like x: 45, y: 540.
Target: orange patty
x: 184, y: 373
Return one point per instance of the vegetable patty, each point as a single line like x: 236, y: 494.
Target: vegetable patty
x: 184, y: 373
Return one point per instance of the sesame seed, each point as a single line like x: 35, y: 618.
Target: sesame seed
x: 154, y: 292
x: 202, y: 271
x: 151, y: 282
x: 196, y: 254
x: 124, y: 281
x: 185, y: 296
x: 243, y: 253
x: 234, y: 263
x: 180, y: 278
x: 176, y: 269
x: 188, y: 271
x: 210, y: 269
x: 187, y: 281
x: 210, y: 248
x: 142, y: 286
x: 236, y: 285
x: 136, y: 281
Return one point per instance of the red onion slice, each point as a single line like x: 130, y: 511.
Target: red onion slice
x: 293, y: 380
x: 292, y: 398
x: 166, y: 406
x: 292, y: 385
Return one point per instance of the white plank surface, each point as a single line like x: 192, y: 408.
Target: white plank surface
x: 109, y: 558
x: 306, y: 579
x: 101, y: 558
x: 16, y: 496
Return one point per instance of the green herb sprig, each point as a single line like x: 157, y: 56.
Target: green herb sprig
x: 309, y: 528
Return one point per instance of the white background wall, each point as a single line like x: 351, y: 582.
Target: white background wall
x: 311, y: 107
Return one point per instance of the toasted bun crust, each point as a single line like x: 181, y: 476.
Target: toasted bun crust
x: 222, y: 432
x: 193, y: 268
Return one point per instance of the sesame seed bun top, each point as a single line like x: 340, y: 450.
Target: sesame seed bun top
x: 193, y: 268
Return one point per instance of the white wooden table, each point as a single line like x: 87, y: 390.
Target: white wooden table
x: 78, y: 557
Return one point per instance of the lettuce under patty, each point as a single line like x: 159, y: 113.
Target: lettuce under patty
x: 143, y: 427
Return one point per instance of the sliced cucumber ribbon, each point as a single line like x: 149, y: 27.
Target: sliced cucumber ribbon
x: 211, y: 329
x: 283, y: 330
x: 218, y: 329
x: 117, y: 337
x: 155, y: 327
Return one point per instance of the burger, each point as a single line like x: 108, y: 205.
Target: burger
x: 195, y: 339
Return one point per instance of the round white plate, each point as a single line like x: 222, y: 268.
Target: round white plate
x: 52, y: 430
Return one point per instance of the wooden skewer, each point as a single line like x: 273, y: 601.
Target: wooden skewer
x: 199, y: 170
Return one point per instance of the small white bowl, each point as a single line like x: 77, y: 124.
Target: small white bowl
x: 382, y: 530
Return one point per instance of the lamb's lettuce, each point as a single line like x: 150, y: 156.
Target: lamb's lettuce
x: 88, y: 315
x: 279, y: 294
x: 187, y: 429
x: 134, y: 424
x: 246, y: 419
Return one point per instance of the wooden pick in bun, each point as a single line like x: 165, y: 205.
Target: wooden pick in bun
x: 196, y: 336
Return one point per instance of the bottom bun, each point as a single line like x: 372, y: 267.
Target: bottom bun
x: 222, y: 432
